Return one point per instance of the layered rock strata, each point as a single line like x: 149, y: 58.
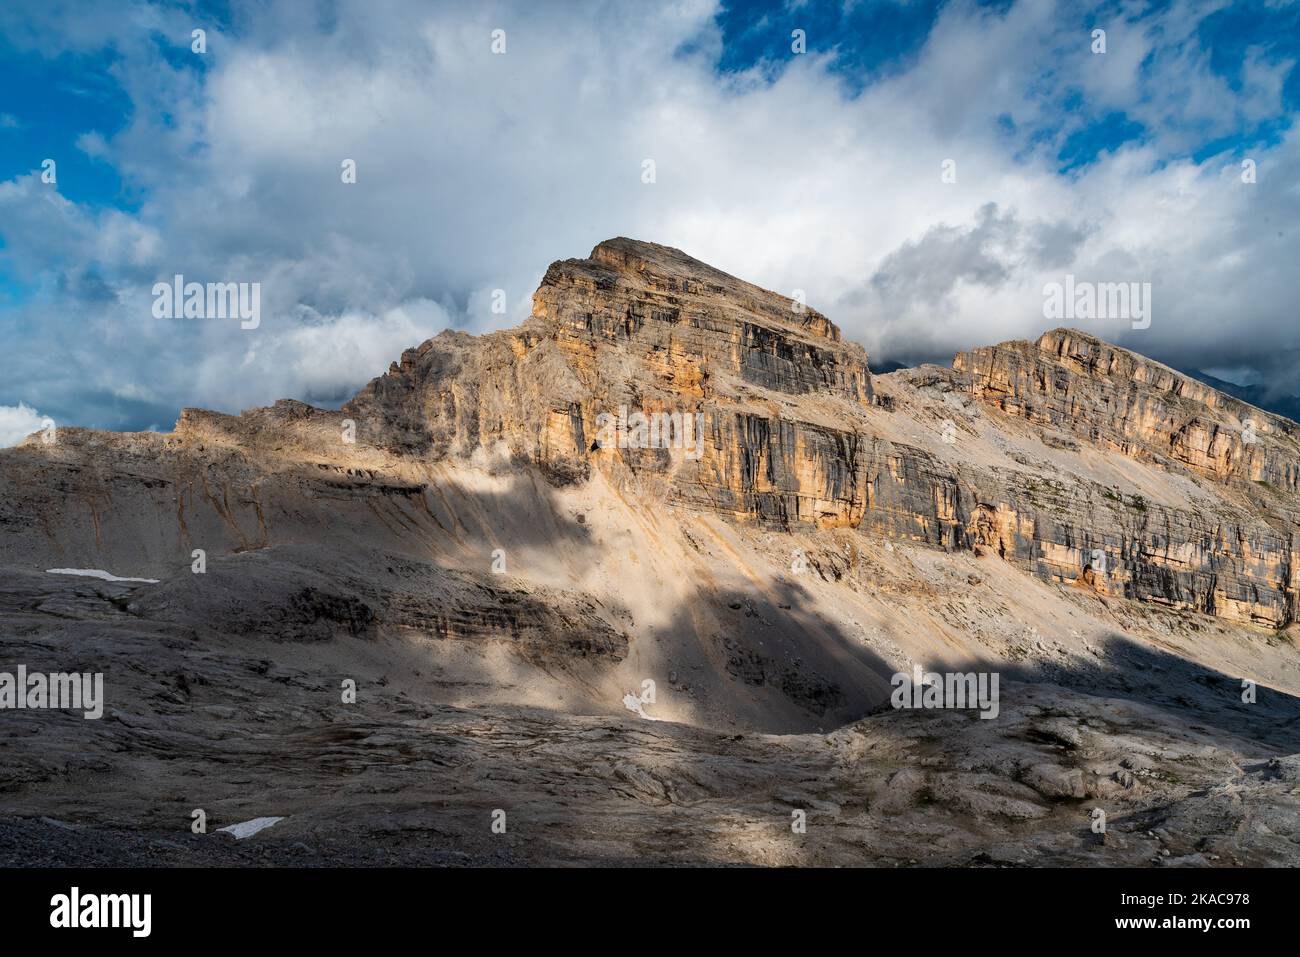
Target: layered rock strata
x: 1069, y: 457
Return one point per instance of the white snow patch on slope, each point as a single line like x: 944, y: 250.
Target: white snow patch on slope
x: 97, y: 573
x: 633, y: 703
x: 249, y: 828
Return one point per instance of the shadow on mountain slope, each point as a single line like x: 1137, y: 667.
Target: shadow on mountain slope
x: 1137, y: 672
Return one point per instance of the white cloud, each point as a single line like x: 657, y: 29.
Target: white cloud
x: 17, y: 422
x: 474, y: 171
x: 320, y: 359
x: 93, y: 145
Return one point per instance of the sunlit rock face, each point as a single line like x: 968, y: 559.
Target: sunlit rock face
x: 793, y: 434
x: 1124, y: 402
x: 645, y: 328
x: 1232, y: 556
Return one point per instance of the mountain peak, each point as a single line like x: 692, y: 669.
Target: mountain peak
x: 681, y: 278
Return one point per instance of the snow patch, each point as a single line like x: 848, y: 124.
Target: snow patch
x: 633, y: 703
x: 249, y: 828
x: 97, y: 573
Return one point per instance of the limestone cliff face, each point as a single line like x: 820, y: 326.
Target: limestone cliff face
x: 697, y: 331
x: 1071, y: 458
x: 1234, y: 556
x: 646, y: 329
x: 794, y: 433
x: 1121, y: 401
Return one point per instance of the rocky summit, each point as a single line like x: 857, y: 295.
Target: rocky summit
x: 635, y: 582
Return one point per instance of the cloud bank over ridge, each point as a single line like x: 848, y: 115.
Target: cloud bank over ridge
x: 476, y: 169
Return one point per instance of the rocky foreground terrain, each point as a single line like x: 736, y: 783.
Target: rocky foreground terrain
x: 463, y: 545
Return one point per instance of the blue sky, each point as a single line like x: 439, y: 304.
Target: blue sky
x: 816, y: 171
x: 48, y: 104
x: 870, y: 38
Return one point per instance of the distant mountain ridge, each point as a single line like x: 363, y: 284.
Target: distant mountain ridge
x: 1256, y: 395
